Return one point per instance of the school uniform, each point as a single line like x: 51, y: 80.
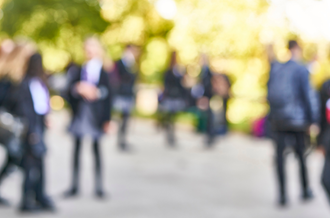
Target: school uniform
x: 172, y: 101
x: 124, y: 100
x: 88, y: 117
x: 30, y: 100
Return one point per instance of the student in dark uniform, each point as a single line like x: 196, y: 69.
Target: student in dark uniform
x: 30, y: 100
x: 127, y: 70
x: 173, y: 99
x: 10, y: 55
x: 206, y: 93
x: 89, y: 97
x: 324, y: 137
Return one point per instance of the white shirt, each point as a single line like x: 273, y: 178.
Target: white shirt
x: 40, y: 96
x: 93, y: 70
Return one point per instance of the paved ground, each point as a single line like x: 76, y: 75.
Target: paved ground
x: 235, y: 180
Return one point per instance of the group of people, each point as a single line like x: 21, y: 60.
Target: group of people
x: 92, y: 90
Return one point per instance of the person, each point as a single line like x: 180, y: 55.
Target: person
x: 10, y: 75
x: 203, y: 92
x: 292, y: 112
x: 89, y: 98
x: 324, y: 136
x: 30, y: 100
x: 127, y: 70
x: 173, y: 98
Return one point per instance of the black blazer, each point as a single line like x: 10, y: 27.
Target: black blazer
x: 173, y: 87
x: 127, y: 80
x: 102, y: 107
x: 20, y: 102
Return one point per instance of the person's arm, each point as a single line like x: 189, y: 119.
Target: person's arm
x: 310, y: 97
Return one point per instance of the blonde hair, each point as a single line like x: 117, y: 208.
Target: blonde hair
x: 97, y: 43
x: 13, y: 65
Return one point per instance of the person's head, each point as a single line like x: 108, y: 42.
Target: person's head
x: 35, y: 67
x: 295, y: 49
x: 173, y: 61
x: 204, y: 59
x: 7, y: 46
x: 14, y: 64
x: 93, y: 48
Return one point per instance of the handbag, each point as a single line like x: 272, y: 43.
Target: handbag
x: 13, y: 130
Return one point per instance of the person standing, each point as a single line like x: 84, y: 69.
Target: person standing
x: 127, y: 70
x: 292, y: 113
x: 30, y: 100
x: 13, y: 61
x: 173, y: 99
x: 89, y: 97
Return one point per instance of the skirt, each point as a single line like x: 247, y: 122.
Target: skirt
x: 85, y: 123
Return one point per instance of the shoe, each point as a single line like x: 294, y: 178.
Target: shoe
x: 29, y: 208
x: 307, y: 195
x: 47, y: 204
x: 71, y: 193
x: 282, y: 202
x: 4, y: 202
x: 100, y: 194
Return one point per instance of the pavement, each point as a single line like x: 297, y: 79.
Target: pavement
x: 236, y: 179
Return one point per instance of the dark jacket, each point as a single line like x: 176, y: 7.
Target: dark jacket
x: 20, y: 102
x: 4, y: 89
x: 206, y: 80
x: 101, y: 107
x: 126, y: 79
x: 173, y: 87
x: 304, y: 107
x: 324, y: 136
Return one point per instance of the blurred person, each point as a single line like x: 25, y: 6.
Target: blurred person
x: 173, y: 99
x: 324, y: 136
x: 292, y: 113
x: 89, y: 97
x: 203, y: 92
x: 30, y: 100
x: 127, y: 69
x: 13, y: 61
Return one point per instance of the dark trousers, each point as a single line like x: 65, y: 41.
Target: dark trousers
x: 34, y: 179
x: 169, y: 121
x: 122, y: 134
x: 76, y: 164
x: 297, y: 139
x: 210, y: 126
x: 7, y: 168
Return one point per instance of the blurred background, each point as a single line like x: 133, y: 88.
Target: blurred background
x: 236, y: 35
x: 241, y: 38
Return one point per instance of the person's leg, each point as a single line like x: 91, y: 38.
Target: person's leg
x: 210, y: 127
x: 30, y: 174
x: 300, y: 148
x: 280, y: 163
x: 98, y: 169
x: 76, y: 168
x: 170, y: 130
x: 6, y: 169
x: 40, y: 192
x: 123, y: 131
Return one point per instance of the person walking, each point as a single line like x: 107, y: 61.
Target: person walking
x: 173, y: 99
x: 13, y: 61
x: 292, y: 112
x: 30, y: 100
x: 89, y: 97
x: 127, y: 70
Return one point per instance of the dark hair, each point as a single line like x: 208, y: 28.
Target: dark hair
x: 35, y: 68
x: 173, y: 60
x: 292, y: 44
